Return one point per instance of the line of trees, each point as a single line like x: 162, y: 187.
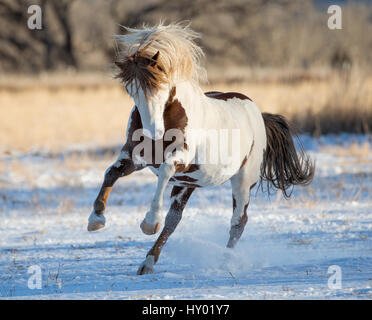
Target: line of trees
x: 23, y: 49
x: 77, y: 34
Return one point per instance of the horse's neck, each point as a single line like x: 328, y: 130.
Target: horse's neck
x: 188, y: 92
x: 202, y: 112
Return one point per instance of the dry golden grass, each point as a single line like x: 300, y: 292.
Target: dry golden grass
x: 58, y: 117
x: 320, y: 102
x: 359, y: 151
x: 355, y: 154
x: 57, y: 112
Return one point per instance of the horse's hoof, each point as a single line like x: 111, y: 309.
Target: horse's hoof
x: 94, y: 226
x: 144, y: 270
x: 149, y: 229
x: 146, y: 266
x: 96, y: 222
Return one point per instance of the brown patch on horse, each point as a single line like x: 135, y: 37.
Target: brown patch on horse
x: 226, y: 95
x: 187, y: 169
x: 180, y: 167
x: 135, y: 124
x: 174, y: 114
x: 190, y: 185
x: 172, y: 94
x: 185, y: 178
x: 100, y: 202
x: 175, y: 117
x: 176, y: 191
x: 192, y: 168
x: 244, y: 218
x: 180, y: 182
x: 234, y: 203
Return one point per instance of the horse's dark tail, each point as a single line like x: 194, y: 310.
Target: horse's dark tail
x: 282, y: 166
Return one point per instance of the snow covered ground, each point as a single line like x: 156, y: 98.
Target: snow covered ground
x: 284, y: 253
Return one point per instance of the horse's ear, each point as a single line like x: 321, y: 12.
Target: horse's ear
x: 154, y: 59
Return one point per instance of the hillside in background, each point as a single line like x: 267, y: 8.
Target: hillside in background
x: 256, y: 33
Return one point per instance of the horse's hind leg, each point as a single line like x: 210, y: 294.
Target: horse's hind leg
x: 122, y: 167
x: 241, y: 183
x: 180, y: 196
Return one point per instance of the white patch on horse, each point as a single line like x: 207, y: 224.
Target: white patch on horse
x: 122, y: 155
x: 138, y: 160
x: 151, y: 109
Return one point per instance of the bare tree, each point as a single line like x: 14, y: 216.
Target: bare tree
x: 32, y: 50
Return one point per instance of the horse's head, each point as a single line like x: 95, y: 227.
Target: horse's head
x: 152, y: 62
x: 146, y: 82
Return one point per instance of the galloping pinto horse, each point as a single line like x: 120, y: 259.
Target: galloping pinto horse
x: 160, y: 69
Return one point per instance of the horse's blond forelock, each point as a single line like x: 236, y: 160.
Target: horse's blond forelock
x: 179, y: 56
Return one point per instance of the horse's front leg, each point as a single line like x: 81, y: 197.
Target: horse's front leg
x: 122, y: 167
x: 179, y: 196
x: 151, y: 223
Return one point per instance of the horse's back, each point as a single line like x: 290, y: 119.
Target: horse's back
x: 238, y: 116
x: 244, y: 115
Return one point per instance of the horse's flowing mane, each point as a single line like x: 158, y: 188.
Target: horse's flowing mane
x: 178, y: 58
